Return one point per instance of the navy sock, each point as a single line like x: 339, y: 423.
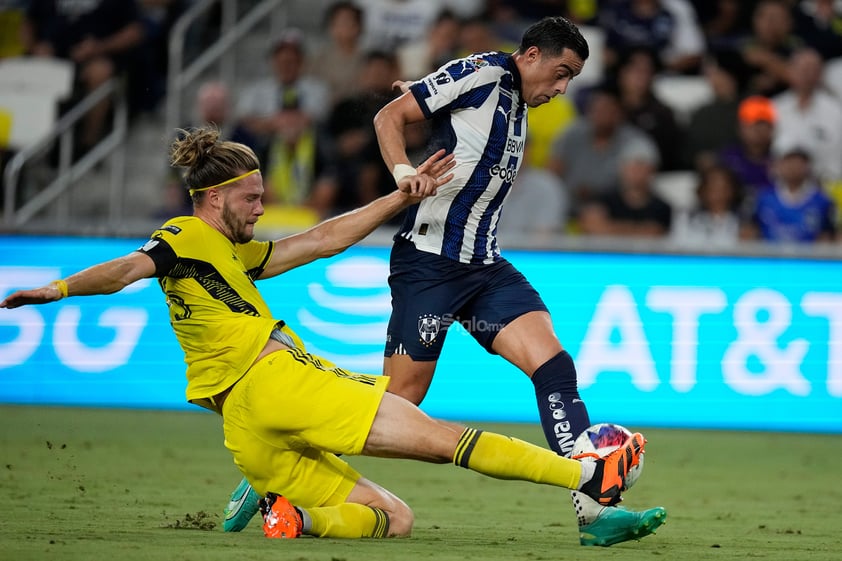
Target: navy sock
x: 563, y: 414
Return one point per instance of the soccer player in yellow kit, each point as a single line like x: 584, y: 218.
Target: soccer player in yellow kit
x: 286, y: 413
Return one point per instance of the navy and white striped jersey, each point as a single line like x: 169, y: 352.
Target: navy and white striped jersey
x: 477, y: 114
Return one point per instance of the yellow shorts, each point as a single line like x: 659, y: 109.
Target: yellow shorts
x: 289, y: 416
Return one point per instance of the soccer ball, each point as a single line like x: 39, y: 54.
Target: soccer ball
x: 604, y: 438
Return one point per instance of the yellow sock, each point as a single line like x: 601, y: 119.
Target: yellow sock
x: 348, y: 520
x: 504, y: 457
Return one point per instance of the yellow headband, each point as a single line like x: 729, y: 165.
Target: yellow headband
x: 232, y: 180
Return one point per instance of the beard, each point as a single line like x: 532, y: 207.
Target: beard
x: 236, y: 226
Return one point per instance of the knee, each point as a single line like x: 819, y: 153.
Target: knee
x: 409, y: 378
x: 372, y: 495
x: 401, y: 519
x: 97, y: 72
x: 408, y: 388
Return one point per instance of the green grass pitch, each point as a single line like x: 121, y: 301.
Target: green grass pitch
x: 134, y: 485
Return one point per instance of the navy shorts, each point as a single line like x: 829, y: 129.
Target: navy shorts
x: 431, y: 292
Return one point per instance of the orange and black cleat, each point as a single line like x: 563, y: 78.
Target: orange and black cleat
x: 609, y: 478
x: 280, y: 518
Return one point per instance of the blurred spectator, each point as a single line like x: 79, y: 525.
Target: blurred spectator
x: 12, y: 17
x: 533, y: 10
x: 12, y: 44
x: 635, y: 76
x: 149, y: 76
x: 631, y: 208
x: 712, y: 126
x: 714, y: 223
x: 266, y: 106
x: 768, y: 48
x: 724, y: 23
x: 421, y: 56
x: 99, y: 36
x: 282, y: 113
x: 213, y: 106
x: 339, y: 61
x: 667, y: 28
x: 819, y: 23
x: 750, y: 157
x: 793, y: 208
x: 581, y: 12
x: 536, y: 206
x: 687, y: 44
x: 476, y: 35
x: 465, y: 8
x: 509, y: 19
x: 812, y: 116
x: 353, y: 174
x: 546, y: 123
x: 586, y: 155
x: 289, y: 85
x: 388, y: 24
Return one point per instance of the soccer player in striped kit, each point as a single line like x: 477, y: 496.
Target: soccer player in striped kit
x: 446, y: 265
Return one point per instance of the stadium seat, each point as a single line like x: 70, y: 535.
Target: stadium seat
x: 26, y: 118
x: 678, y: 188
x: 683, y: 94
x: 594, y: 70
x: 833, y: 76
x: 47, y: 76
x: 30, y: 91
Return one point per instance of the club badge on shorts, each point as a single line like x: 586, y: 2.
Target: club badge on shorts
x: 429, y: 326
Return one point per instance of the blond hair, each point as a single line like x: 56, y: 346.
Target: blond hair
x: 209, y: 161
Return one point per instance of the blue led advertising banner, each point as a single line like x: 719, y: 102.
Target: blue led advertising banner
x: 659, y: 340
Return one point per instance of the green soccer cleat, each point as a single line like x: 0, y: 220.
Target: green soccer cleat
x: 241, y: 508
x: 616, y: 524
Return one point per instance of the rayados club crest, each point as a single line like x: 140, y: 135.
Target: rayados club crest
x: 428, y: 328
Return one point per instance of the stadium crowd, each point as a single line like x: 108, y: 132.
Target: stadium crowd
x: 756, y: 141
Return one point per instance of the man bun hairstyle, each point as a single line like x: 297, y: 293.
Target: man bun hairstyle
x: 207, y: 160
x: 554, y: 34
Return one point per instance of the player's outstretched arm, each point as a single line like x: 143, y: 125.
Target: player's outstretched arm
x: 104, y: 278
x: 339, y: 233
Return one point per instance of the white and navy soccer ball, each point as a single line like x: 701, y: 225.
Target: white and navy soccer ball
x: 602, y: 439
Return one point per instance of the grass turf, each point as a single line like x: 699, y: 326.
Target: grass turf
x: 136, y: 485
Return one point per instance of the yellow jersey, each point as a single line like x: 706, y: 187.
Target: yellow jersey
x: 219, y: 317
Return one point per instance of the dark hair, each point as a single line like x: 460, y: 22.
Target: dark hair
x: 554, y: 34
x: 378, y: 55
x: 337, y: 7
x: 732, y: 63
x: 630, y: 55
x: 606, y: 89
x: 445, y: 15
x: 207, y: 159
x: 705, y: 175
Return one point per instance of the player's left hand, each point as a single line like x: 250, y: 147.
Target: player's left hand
x: 42, y: 295
x: 432, y: 173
